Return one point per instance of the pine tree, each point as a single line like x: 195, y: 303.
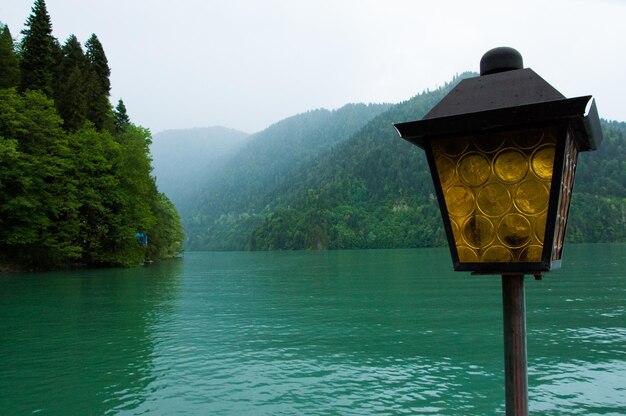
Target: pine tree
x: 97, y: 83
x: 120, y: 117
x: 99, y: 63
x: 38, y: 63
x: 70, y: 94
x: 9, y: 66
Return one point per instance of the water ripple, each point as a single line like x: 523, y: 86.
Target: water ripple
x: 350, y: 333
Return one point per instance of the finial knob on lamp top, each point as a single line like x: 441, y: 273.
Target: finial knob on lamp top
x: 500, y: 60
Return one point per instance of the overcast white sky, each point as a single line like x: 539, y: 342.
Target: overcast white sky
x: 246, y: 64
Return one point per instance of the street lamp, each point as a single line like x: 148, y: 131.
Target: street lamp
x: 502, y: 150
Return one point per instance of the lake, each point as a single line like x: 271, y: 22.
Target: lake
x: 361, y: 332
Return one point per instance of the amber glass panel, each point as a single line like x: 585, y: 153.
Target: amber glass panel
x: 496, y: 189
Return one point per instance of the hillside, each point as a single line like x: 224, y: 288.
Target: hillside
x: 231, y: 202
x: 182, y: 158
x: 372, y: 191
x: 378, y: 194
x: 303, y: 184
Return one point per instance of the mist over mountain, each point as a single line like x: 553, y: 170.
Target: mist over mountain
x: 375, y: 191
x: 184, y: 158
x: 344, y: 179
x: 231, y: 202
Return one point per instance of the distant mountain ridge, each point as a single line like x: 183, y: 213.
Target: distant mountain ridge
x: 182, y: 157
x: 375, y: 191
x: 231, y: 202
x: 344, y: 179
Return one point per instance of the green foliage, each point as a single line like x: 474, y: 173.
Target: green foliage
x: 71, y: 191
x: 77, y: 197
x: 120, y: 117
x: 598, y: 209
x: 375, y: 191
x: 166, y: 235
x: 38, y: 214
x: 37, y: 60
x: 98, y: 85
x: 98, y: 63
x: 70, y: 91
x: 9, y: 64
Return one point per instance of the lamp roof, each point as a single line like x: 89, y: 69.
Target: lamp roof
x: 504, y: 100
x: 494, y: 91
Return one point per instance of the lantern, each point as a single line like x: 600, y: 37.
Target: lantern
x: 502, y: 150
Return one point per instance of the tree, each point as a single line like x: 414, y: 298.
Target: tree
x: 70, y: 94
x: 98, y: 194
x: 72, y: 191
x: 9, y: 65
x: 166, y: 236
x: 38, y: 63
x: 38, y: 206
x: 97, y: 84
x: 120, y: 117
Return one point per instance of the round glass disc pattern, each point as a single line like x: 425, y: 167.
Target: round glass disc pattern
x: 510, y: 166
x: 542, y: 161
x: 474, y: 169
x: 496, y: 189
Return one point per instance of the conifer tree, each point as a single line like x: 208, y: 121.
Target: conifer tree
x: 120, y: 116
x: 99, y: 63
x: 97, y: 83
x: 9, y: 66
x: 38, y: 63
x: 70, y: 95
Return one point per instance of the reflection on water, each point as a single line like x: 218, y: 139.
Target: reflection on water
x: 353, y: 332
x: 580, y: 387
x: 80, y: 342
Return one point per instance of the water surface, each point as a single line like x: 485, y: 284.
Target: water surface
x: 342, y: 332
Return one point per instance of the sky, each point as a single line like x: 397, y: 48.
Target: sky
x: 247, y: 64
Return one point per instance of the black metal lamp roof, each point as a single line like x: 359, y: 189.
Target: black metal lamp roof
x: 504, y: 99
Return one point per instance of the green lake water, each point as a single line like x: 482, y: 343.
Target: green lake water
x: 367, y: 332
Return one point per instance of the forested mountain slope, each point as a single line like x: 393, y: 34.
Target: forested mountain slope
x: 372, y: 191
x: 598, y: 210
x: 375, y: 191
x: 183, y: 158
x: 369, y: 190
x: 231, y: 202
x: 383, y: 198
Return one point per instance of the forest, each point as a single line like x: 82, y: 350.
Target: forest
x: 75, y: 173
x: 361, y: 186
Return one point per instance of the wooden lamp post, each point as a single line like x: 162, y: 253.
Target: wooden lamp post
x: 502, y: 150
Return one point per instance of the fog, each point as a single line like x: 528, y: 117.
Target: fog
x: 247, y: 64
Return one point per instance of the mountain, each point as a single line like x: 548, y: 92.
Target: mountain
x: 232, y: 201
x: 318, y: 181
x: 374, y: 190
x: 598, y: 210
x: 182, y: 158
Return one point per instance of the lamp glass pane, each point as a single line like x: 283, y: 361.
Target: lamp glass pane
x: 496, y: 189
x: 567, y: 183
